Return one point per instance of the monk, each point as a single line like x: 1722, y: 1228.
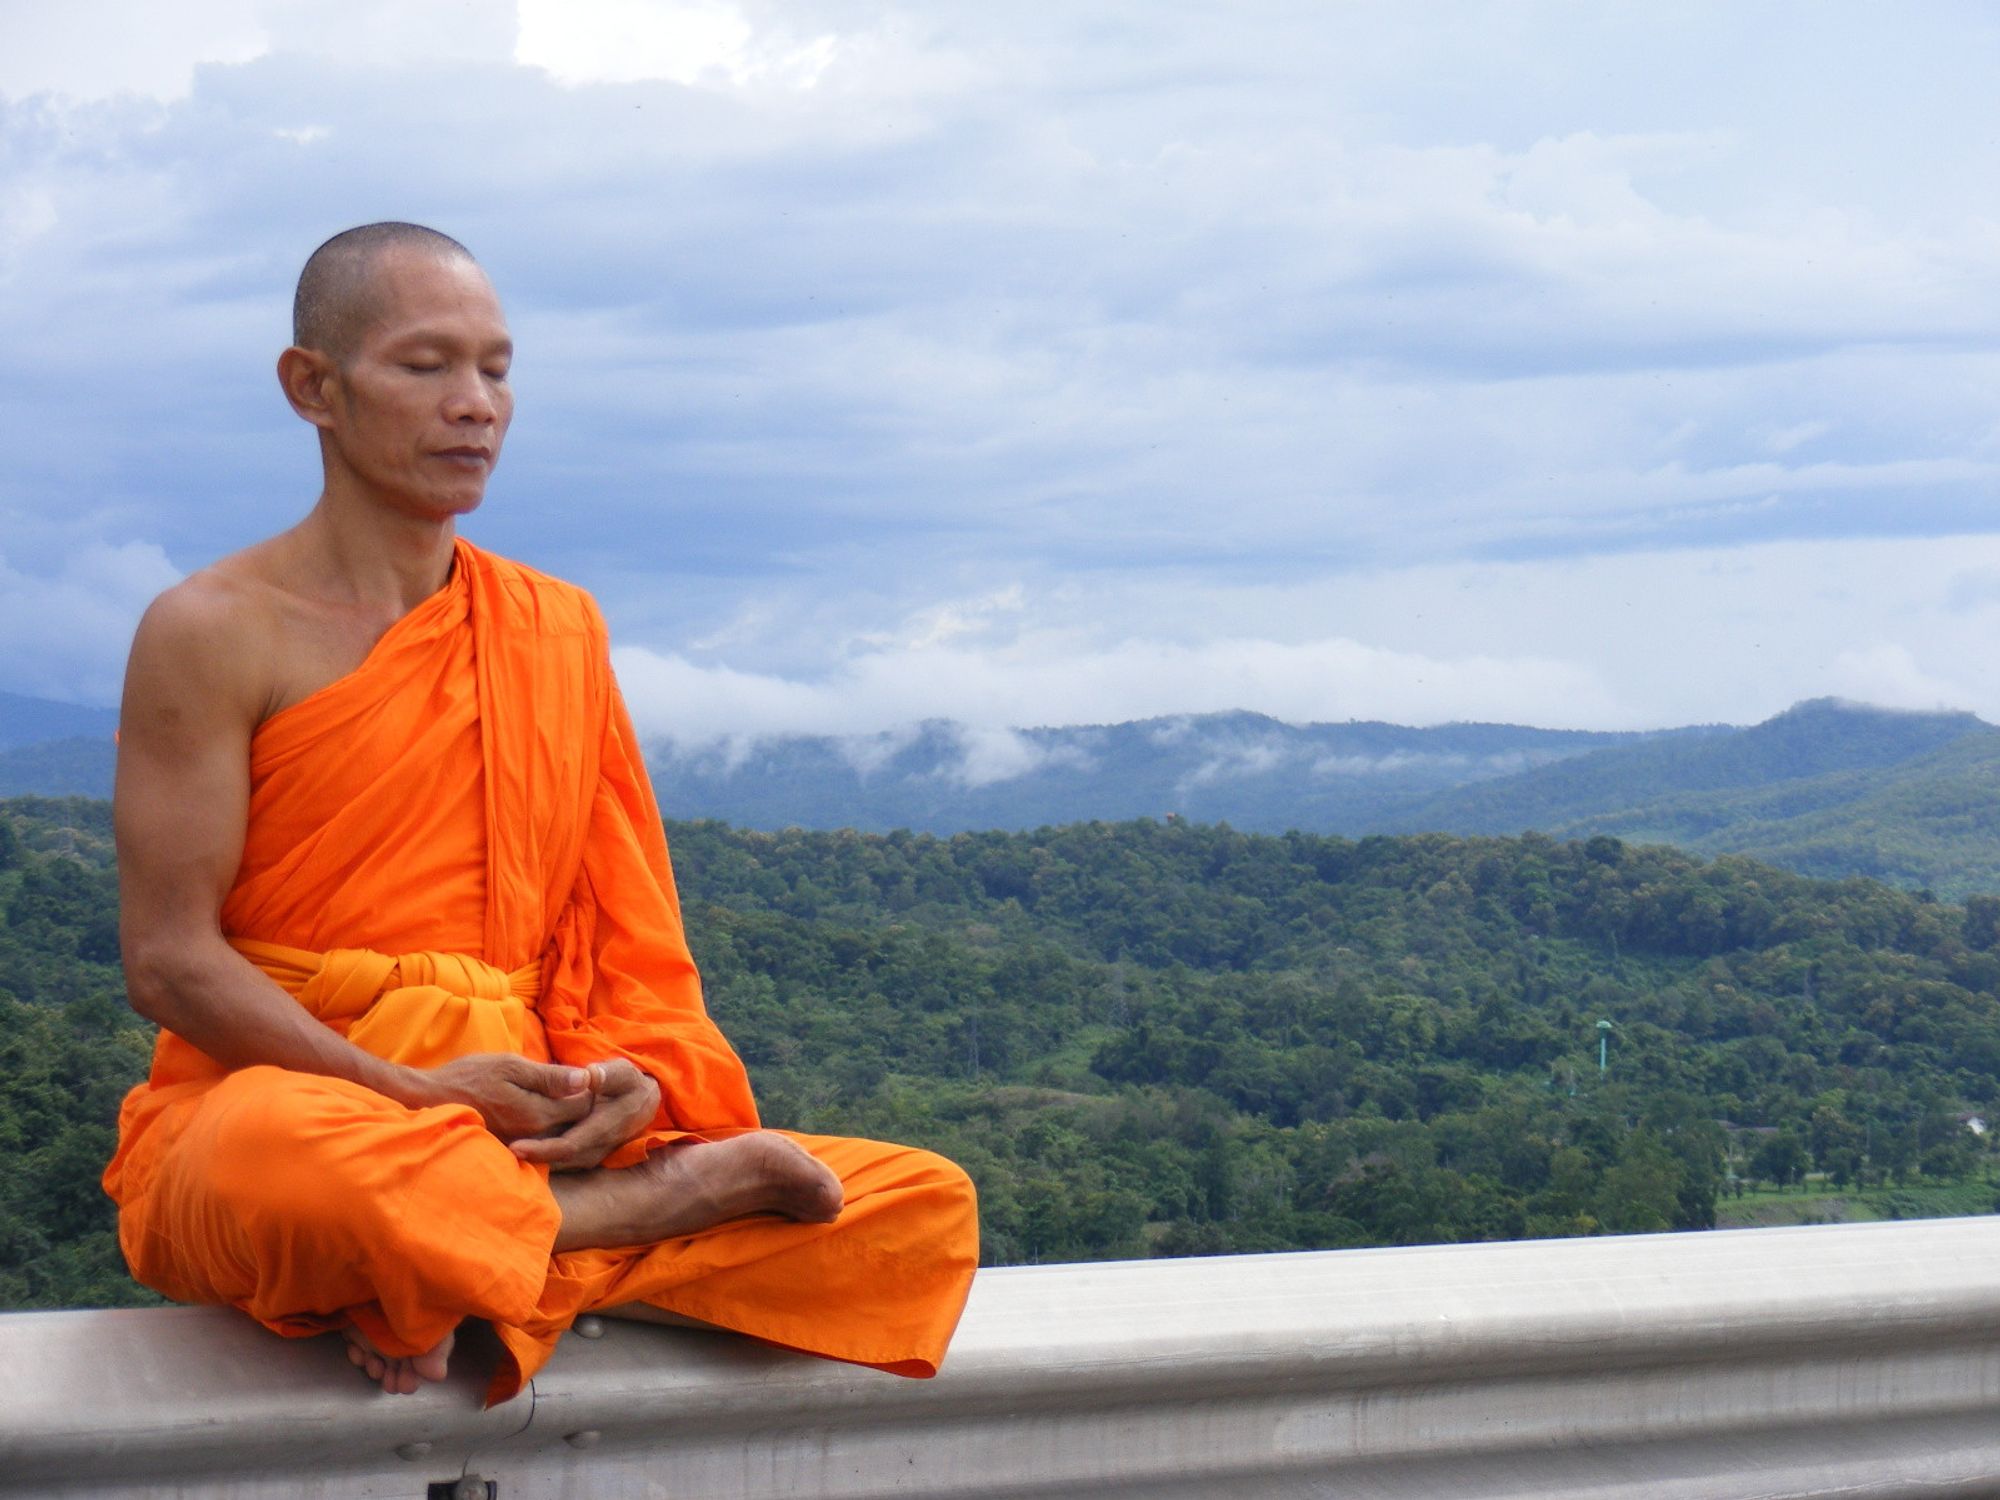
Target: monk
x: 395, y: 888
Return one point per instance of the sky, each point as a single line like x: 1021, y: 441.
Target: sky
x: 1566, y: 364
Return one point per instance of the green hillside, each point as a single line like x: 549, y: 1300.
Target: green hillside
x: 79, y: 766
x: 1933, y: 821
x: 69, y: 1048
x: 28, y: 721
x: 1825, y: 789
x: 1159, y: 1039
x: 1173, y: 1039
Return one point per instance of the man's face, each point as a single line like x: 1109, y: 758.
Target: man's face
x: 422, y: 403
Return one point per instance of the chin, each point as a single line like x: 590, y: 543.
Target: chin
x: 439, y: 509
x: 459, y: 505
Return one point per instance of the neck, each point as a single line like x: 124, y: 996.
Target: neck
x: 378, y: 558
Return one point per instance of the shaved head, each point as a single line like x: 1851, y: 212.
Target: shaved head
x: 338, y: 296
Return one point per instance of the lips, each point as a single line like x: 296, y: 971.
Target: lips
x: 466, y: 455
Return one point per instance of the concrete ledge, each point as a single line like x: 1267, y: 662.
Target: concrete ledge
x: 1850, y: 1360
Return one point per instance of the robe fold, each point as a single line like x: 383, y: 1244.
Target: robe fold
x: 455, y: 849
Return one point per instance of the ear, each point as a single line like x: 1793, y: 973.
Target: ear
x: 307, y: 378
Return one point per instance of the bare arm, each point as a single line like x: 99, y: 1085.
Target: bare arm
x: 197, y: 685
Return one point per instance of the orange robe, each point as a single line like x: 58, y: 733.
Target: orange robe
x: 455, y: 849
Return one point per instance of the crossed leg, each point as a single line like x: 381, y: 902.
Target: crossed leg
x: 314, y: 1204
x: 691, y: 1187
x: 678, y: 1191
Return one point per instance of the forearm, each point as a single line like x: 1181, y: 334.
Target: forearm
x: 212, y: 997
x: 208, y: 994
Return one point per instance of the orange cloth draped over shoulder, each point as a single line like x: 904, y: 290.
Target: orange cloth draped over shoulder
x: 455, y: 849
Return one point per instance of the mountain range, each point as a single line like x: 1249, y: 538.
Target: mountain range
x: 1256, y: 773
x: 31, y: 721
x: 1826, y: 788
x: 52, y: 749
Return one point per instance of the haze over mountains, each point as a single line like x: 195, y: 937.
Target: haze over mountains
x: 1255, y: 773
x: 1826, y: 788
x: 52, y: 749
x: 29, y: 721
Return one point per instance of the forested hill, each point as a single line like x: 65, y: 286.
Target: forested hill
x: 1826, y: 788
x: 69, y: 1048
x: 1242, y: 768
x: 1149, y: 1038
x: 28, y: 721
x: 1810, y: 741
x: 54, y: 749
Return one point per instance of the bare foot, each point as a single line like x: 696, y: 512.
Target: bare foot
x: 398, y: 1377
x: 688, y: 1188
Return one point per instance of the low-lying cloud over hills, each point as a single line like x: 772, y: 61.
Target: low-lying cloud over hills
x: 1827, y: 788
x: 1243, y: 768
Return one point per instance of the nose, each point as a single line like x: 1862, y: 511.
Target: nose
x: 470, y: 400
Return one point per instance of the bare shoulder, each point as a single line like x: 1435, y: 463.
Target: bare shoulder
x: 195, y: 689
x: 203, y: 649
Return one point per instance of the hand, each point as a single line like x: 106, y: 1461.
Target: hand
x: 515, y: 1097
x: 625, y: 1099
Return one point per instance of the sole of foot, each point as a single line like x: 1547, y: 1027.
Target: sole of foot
x: 398, y: 1376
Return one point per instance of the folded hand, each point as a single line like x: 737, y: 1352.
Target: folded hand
x: 515, y: 1097
x: 624, y: 1100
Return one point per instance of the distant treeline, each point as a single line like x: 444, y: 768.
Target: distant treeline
x: 1826, y: 788
x: 1160, y: 1039
x: 69, y: 1049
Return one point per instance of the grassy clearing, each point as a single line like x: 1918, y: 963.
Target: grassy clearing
x: 1820, y: 1203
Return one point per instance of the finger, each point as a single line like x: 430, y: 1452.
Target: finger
x: 544, y: 1150
x: 622, y: 1080
x: 559, y: 1082
x: 581, y: 1146
x: 558, y: 1114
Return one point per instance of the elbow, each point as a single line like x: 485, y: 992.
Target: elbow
x: 147, y: 992
x: 155, y: 975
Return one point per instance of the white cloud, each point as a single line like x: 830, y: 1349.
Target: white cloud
x: 1891, y: 676
x: 1632, y: 640
x: 1233, y: 759
x: 1794, y: 435
x: 86, y: 51
x: 65, y: 635
x: 681, y: 41
x: 954, y: 620
x: 1052, y: 679
x: 988, y: 754
x: 879, y: 362
x: 83, y: 50
x: 392, y: 36
x: 869, y: 753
